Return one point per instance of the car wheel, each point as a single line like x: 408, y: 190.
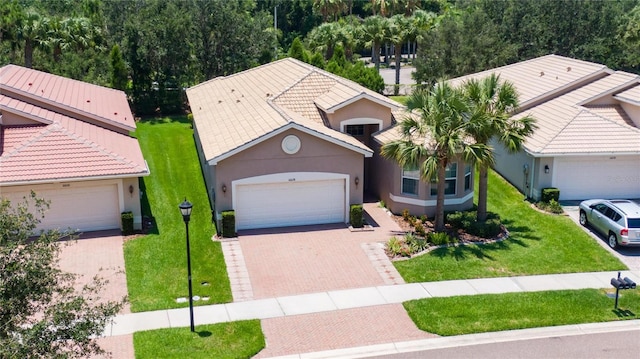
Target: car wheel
x: 583, y: 218
x: 613, y: 240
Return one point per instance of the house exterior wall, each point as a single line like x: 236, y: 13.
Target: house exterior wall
x: 268, y: 157
x: 387, y: 184
x: 362, y: 108
x: 519, y: 168
x: 208, y: 171
x: 10, y: 119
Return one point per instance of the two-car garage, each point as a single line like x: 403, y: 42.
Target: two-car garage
x: 290, y: 199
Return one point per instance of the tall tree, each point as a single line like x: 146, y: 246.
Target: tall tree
x: 31, y: 33
x: 324, y: 38
x: 434, y: 138
x: 41, y: 315
x: 491, y: 105
x: 118, y: 69
x: 399, y: 28
x: 374, y: 34
x: 329, y: 9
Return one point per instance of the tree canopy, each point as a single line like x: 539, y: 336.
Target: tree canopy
x: 41, y: 314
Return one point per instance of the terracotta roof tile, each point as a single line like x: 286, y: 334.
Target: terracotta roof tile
x: 99, y: 103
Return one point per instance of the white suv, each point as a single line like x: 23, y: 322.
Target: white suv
x: 617, y: 219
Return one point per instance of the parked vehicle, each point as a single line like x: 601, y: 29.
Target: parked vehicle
x: 618, y: 220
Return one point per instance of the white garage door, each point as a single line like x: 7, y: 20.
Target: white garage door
x: 290, y: 203
x: 598, y: 177
x: 77, y: 207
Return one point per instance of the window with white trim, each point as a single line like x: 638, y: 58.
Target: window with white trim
x: 410, y: 181
x: 450, y: 180
x: 467, y: 177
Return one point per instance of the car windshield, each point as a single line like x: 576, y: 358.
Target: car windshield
x: 634, y: 222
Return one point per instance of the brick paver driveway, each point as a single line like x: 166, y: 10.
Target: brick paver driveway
x: 101, y: 253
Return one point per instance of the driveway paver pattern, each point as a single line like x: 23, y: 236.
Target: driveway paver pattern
x: 338, y: 329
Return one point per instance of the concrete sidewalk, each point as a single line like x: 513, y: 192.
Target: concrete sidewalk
x: 355, y: 298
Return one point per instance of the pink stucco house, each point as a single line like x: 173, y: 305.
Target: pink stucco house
x: 287, y: 144
x: 69, y: 142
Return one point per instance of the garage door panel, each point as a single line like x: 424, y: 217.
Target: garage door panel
x: 78, y: 207
x: 583, y: 178
x: 289, y: 203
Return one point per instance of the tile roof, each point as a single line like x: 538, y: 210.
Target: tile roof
x: 232, y: 112
x: 576, y: 105
x: 62, y: 94
x: 56, y: 146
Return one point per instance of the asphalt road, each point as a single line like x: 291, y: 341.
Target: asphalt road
x: 616, y: 345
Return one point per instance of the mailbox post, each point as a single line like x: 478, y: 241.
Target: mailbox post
x: 621, y: 283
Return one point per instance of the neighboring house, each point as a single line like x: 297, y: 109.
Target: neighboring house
x: 69, y: 142
x: 588, y: 140
x: 289, y: 144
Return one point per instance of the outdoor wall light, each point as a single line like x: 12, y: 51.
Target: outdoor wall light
x: 546, y: 168
x: 224, y: 188
x: 357, y: 181
x: 131, y: 190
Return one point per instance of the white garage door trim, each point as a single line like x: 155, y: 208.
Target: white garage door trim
x: 330, y: 181
x: 597, y: 177
x: 76, y: 205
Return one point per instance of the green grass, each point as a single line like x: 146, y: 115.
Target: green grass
x: 401, y: 99
x: 156, y: 264
x: 539, y: 243
x: 235, y: 340
x: 497, y: 312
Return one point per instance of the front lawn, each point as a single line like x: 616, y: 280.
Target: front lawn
x: 235, y: 340
x: 156, y: 264
x: 497, y: 312
x: 539, y: 243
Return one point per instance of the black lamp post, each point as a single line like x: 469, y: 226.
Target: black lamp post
x: 185, y: 209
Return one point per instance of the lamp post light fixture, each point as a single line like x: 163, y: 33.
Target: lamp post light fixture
x: 185, y: 209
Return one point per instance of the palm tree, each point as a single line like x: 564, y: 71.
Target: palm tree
x: 433, y: 137
x: 491, y: 104
x: 421, y: 21
x: 324, y: 38
x: 32, y: 32
x: 374, y: 33
x: 399, y: 27
x: 329, y: 8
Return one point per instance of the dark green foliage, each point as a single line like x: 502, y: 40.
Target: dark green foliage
x: 356, y: 217
x: 118, y: 69
x: 550, y: 193
x: 41, y: 314
x: 468, y: 222
x: 440, y: 238
x: 419, y: 228
x: 228, y: 224
x: 297, y: 50
x: 317, y: 60
x: 127, y: 222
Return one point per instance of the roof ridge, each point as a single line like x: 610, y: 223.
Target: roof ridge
x: 24, y: 144
x: 94, y: 145
x: 557, y: 134
x: 608, y: 119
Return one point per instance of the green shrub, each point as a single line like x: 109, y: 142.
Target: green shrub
x: 419, y: 227
x: 412, y: 221
x: 355, y: 216
x: 228, y: 224
x: 440, y: 238
x: 127, y: 222
x: 489, y: 229
x: 461, y: 220
x: 394, y: 246
x: 424, y: 218
x: 414, y: 243
x: 405, y: 214
x: 549, y: 194
x: 552, y: 206
x: 381, y: 204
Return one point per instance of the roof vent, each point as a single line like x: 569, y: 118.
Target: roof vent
x: 238, y: 100
x: 268, y: 94
x: 30, y: 84
x: 88, y: 101
x: 115, y: 113
x: 232, y: 90
x: 219, y: 101
x: 568, y: 68
x: 541, y: 73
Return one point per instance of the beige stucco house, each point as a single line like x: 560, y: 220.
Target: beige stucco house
x: 588, y: 140
x: 69, y: 142
x: 289, y: 144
